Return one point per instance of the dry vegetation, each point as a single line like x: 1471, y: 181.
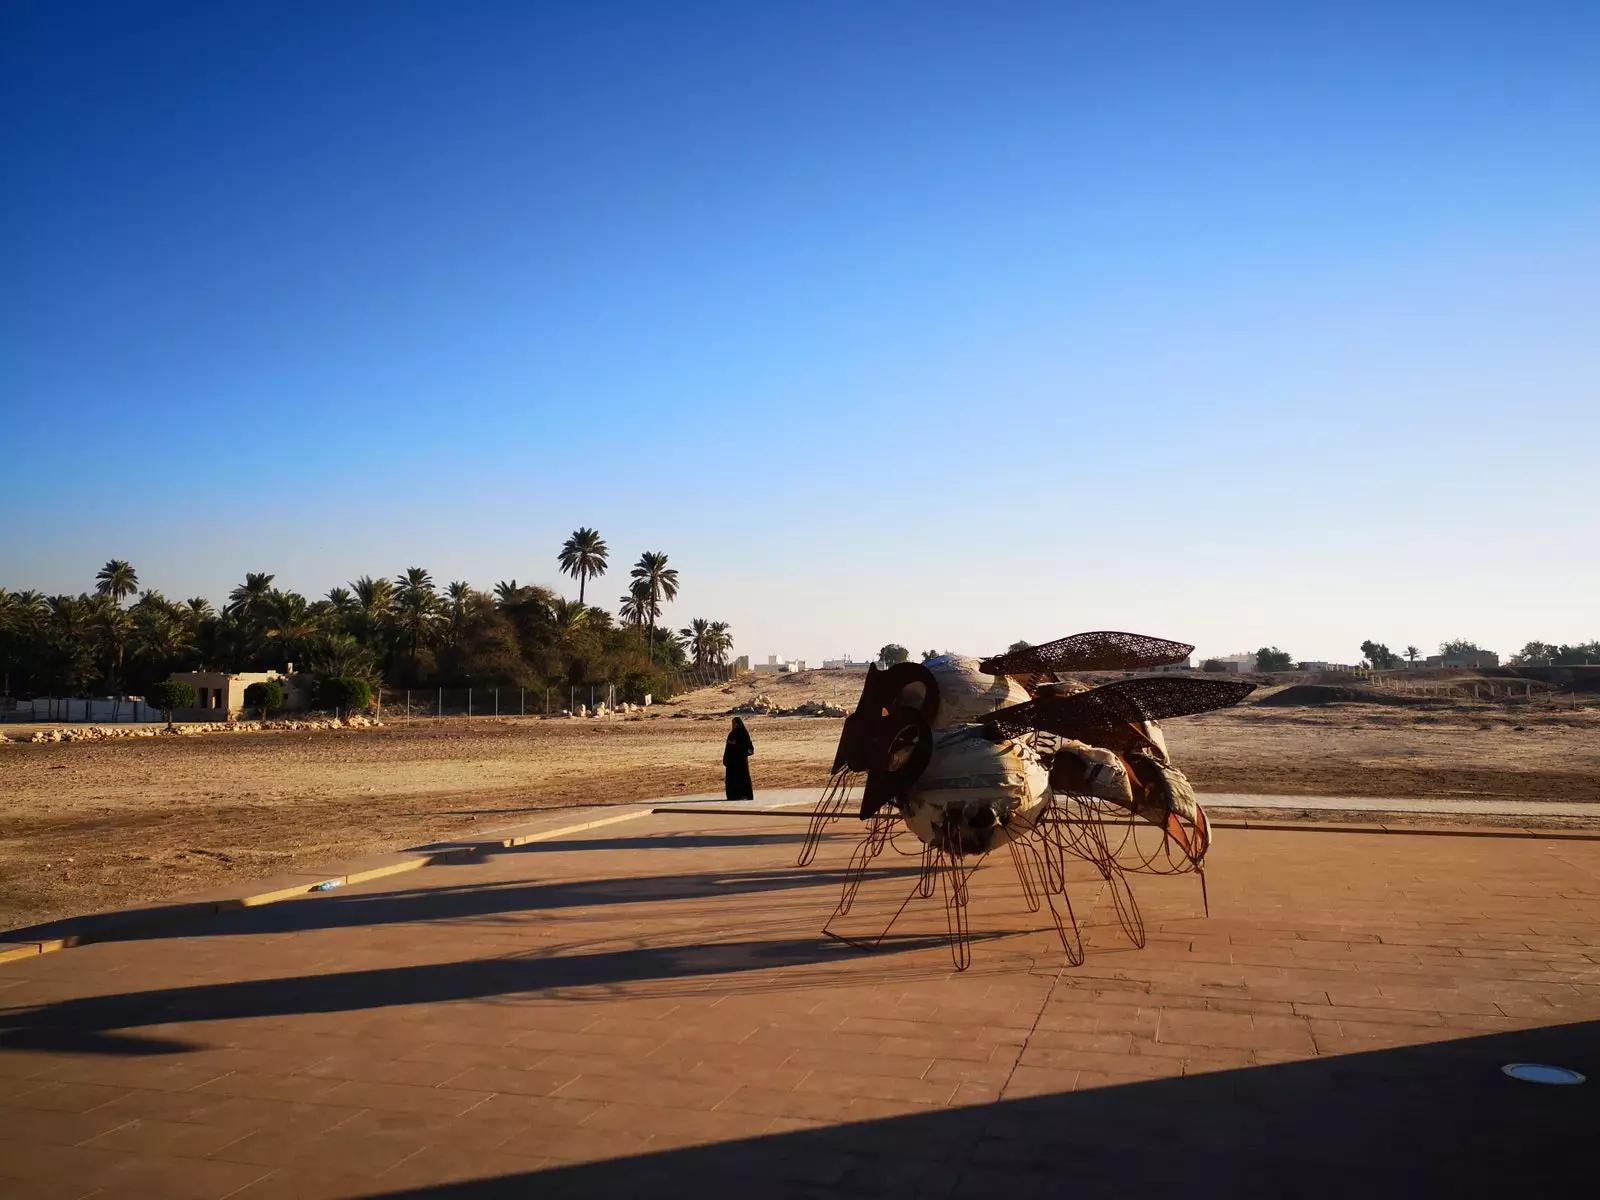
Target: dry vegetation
x: 93, y: 826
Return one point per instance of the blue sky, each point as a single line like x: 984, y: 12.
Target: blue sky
x: 940, y: 324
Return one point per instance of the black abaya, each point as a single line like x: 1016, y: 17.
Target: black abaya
x: 736, y: 763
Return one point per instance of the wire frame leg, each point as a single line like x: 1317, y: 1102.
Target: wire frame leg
x: 954, y: 877
x: 1128, y: 914
x: 928, y: 880
x: 1071, y: 942
x: 1030, y: 893
x: 867, y: 849
x: 830, y: 808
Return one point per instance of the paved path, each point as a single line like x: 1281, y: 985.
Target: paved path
x: 646, y: 1008
x: 1445, y: 806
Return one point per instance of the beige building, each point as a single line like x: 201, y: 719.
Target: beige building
x: 220, y: 697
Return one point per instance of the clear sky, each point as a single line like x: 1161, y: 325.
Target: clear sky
x: 945, y: 324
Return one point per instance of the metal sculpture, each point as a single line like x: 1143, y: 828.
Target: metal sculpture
x: 969, y: 757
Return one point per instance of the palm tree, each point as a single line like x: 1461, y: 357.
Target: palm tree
x: 660, y: 582
x: 458, y: 605
x: 718, y: 642
x: 633, y: 609
x: 117, y: 579
x: 583, y: 556
x: 115, y: 627
x: 252, y: 598
x: 340, y: 655
x: 341, y: 601
x: 1412, y: 653
x: 416, y: 606
x: 373, y: 600
x: 698, y: 635
x: 198, y: 609
x: 291, y: 624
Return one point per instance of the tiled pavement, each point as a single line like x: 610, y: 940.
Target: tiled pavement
x: 648, y: 1009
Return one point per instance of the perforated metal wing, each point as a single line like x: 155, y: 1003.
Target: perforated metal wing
x: 1104, y: 650
x: 1118, y: 705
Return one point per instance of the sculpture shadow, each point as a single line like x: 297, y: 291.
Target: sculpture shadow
x: 96, y: 1024
x: 1423, y: 1121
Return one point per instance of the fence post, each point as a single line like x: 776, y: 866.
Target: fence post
x: 469, y: 704
x: 408, y: 704
x: 497, y: 702
x: 522, y: 702
x: 439, y: 712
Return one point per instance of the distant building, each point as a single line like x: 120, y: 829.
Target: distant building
x: 741, y: 664
x: 1470, y: 660
x: 219, y: 696
x: 843, y: 664
x: 1234, y: 664
x: 1317, y: 665
x: 1164, y: 669
x: 779, y: 666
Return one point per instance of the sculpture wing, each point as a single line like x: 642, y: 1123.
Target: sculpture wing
x: 1104, y: 650
x: 1117, y: 705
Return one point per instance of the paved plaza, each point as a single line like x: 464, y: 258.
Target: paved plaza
x: 647, y: 1007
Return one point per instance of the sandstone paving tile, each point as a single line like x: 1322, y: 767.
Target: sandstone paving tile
x: 581, y: 1143
x: 435, y: 1165
x: 181, y: 1139
x: 130, y: 1073
x: 290, y: 1183
x: 899, y: 1066
x: 591, y: 1043
x: 465, y: 1054
x: 180, y: 1178
x: 879, y: 1087
x: 1371, y: 1011
x: 403, y: 1097
x: 372, y: 1068
x: 939, y: 1042
x: 758, y: 1100
x: 267, y: 1087
x: 64, y: 1097
x: 992, y: 1074
x: 1107, y: 1042
x: 665, y: 1092
x: 58, y: 1128
x: 1039, y: 1081
x: 718, y: 1075
x: 820, y: 1037
x: 484, y: 1133
x: 527, y: 1082
x: 745, y: 1055
x: 49, y: 1163
x: 18, y: 1066
x: 679, y: 1126
x: 365, y: 1153
x: 544, y: 1111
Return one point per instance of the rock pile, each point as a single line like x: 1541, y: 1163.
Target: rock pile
x: 106, y: 733
x: 764, y: 705
x: 761, y: 704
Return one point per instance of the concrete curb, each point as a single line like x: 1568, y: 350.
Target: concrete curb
x: 111, y: 929
x: 1486, y: 831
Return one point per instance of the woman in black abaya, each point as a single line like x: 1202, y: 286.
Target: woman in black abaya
x: 736, y: 763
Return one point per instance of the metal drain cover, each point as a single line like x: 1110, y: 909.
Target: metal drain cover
x: 1541, y: 1073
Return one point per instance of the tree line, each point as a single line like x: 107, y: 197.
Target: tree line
x: 404, y: 632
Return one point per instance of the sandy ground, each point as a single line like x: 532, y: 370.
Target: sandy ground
x: 93, y: 826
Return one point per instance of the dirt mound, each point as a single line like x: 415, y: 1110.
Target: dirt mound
x: 1305, y: 694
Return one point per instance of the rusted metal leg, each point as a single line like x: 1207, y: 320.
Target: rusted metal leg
x: 1030, y: 893
x: 1067, y: 931
x: 830, y: 808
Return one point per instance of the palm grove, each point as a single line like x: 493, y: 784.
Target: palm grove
x: 405, y: 632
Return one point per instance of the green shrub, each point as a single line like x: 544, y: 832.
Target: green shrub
x: 264, y: 696
x: 343, y: 693
x: 168, y: 695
